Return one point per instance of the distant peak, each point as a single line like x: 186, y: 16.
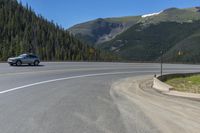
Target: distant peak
x: 99, y: 19
x: 171, y: 9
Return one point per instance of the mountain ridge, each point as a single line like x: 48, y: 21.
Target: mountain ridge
x: 84, y: 31
x: 172, y: 27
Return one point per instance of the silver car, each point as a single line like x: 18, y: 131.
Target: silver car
x: 29, y: 59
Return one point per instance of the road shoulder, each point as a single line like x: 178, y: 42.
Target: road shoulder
x: 131, y: 113
x: 153, y: 111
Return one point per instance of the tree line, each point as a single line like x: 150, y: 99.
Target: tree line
x: 22, y: 31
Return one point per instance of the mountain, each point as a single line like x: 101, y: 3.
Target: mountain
x: 102, y: 30
x: 21, y: 31
x: 172, y: 31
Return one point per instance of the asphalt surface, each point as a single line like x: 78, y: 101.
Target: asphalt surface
x: 71, y: 97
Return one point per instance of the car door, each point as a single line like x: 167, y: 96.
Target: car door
x: 25, y: 59
x: 30, y: 59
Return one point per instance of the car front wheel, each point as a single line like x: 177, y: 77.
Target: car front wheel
x: 18, y: 63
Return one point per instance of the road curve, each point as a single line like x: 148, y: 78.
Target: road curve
x: 169, y: 114
x: 71, y: 97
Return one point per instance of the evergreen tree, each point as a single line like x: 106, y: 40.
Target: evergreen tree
x: 22, y: 31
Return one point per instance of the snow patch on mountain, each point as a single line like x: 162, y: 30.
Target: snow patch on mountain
x: 152, y: 14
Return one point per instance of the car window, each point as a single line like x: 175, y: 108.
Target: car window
x: 23, y: 55
x: 32, y: 56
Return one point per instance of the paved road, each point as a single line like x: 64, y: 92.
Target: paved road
x: 69, y: 97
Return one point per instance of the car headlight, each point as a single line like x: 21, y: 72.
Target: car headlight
x: 9, y: 60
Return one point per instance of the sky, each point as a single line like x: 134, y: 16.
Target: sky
x: 67, y: 13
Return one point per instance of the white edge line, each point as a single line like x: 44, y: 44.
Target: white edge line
x: 60, y: 79
x: 73, y: 77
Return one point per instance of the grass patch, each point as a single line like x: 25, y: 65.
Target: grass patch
x: 186, y: 84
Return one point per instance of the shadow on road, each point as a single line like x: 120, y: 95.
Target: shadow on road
x: 28, y: 66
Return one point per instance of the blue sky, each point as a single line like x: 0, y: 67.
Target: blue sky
x: 70, y: 12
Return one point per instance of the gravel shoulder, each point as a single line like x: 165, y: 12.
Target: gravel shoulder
x: 155, y: 112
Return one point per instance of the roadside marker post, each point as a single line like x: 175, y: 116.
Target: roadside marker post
x: 161, y: 64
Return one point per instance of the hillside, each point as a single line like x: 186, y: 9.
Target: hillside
x: 145, y: 43
x: 188, y: 49
x: 21, y: 31
x: 171, y: 31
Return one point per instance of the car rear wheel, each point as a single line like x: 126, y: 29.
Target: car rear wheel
x: 36, y: 63
x: 18, y: 63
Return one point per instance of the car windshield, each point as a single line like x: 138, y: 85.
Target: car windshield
x: 23, y: 55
